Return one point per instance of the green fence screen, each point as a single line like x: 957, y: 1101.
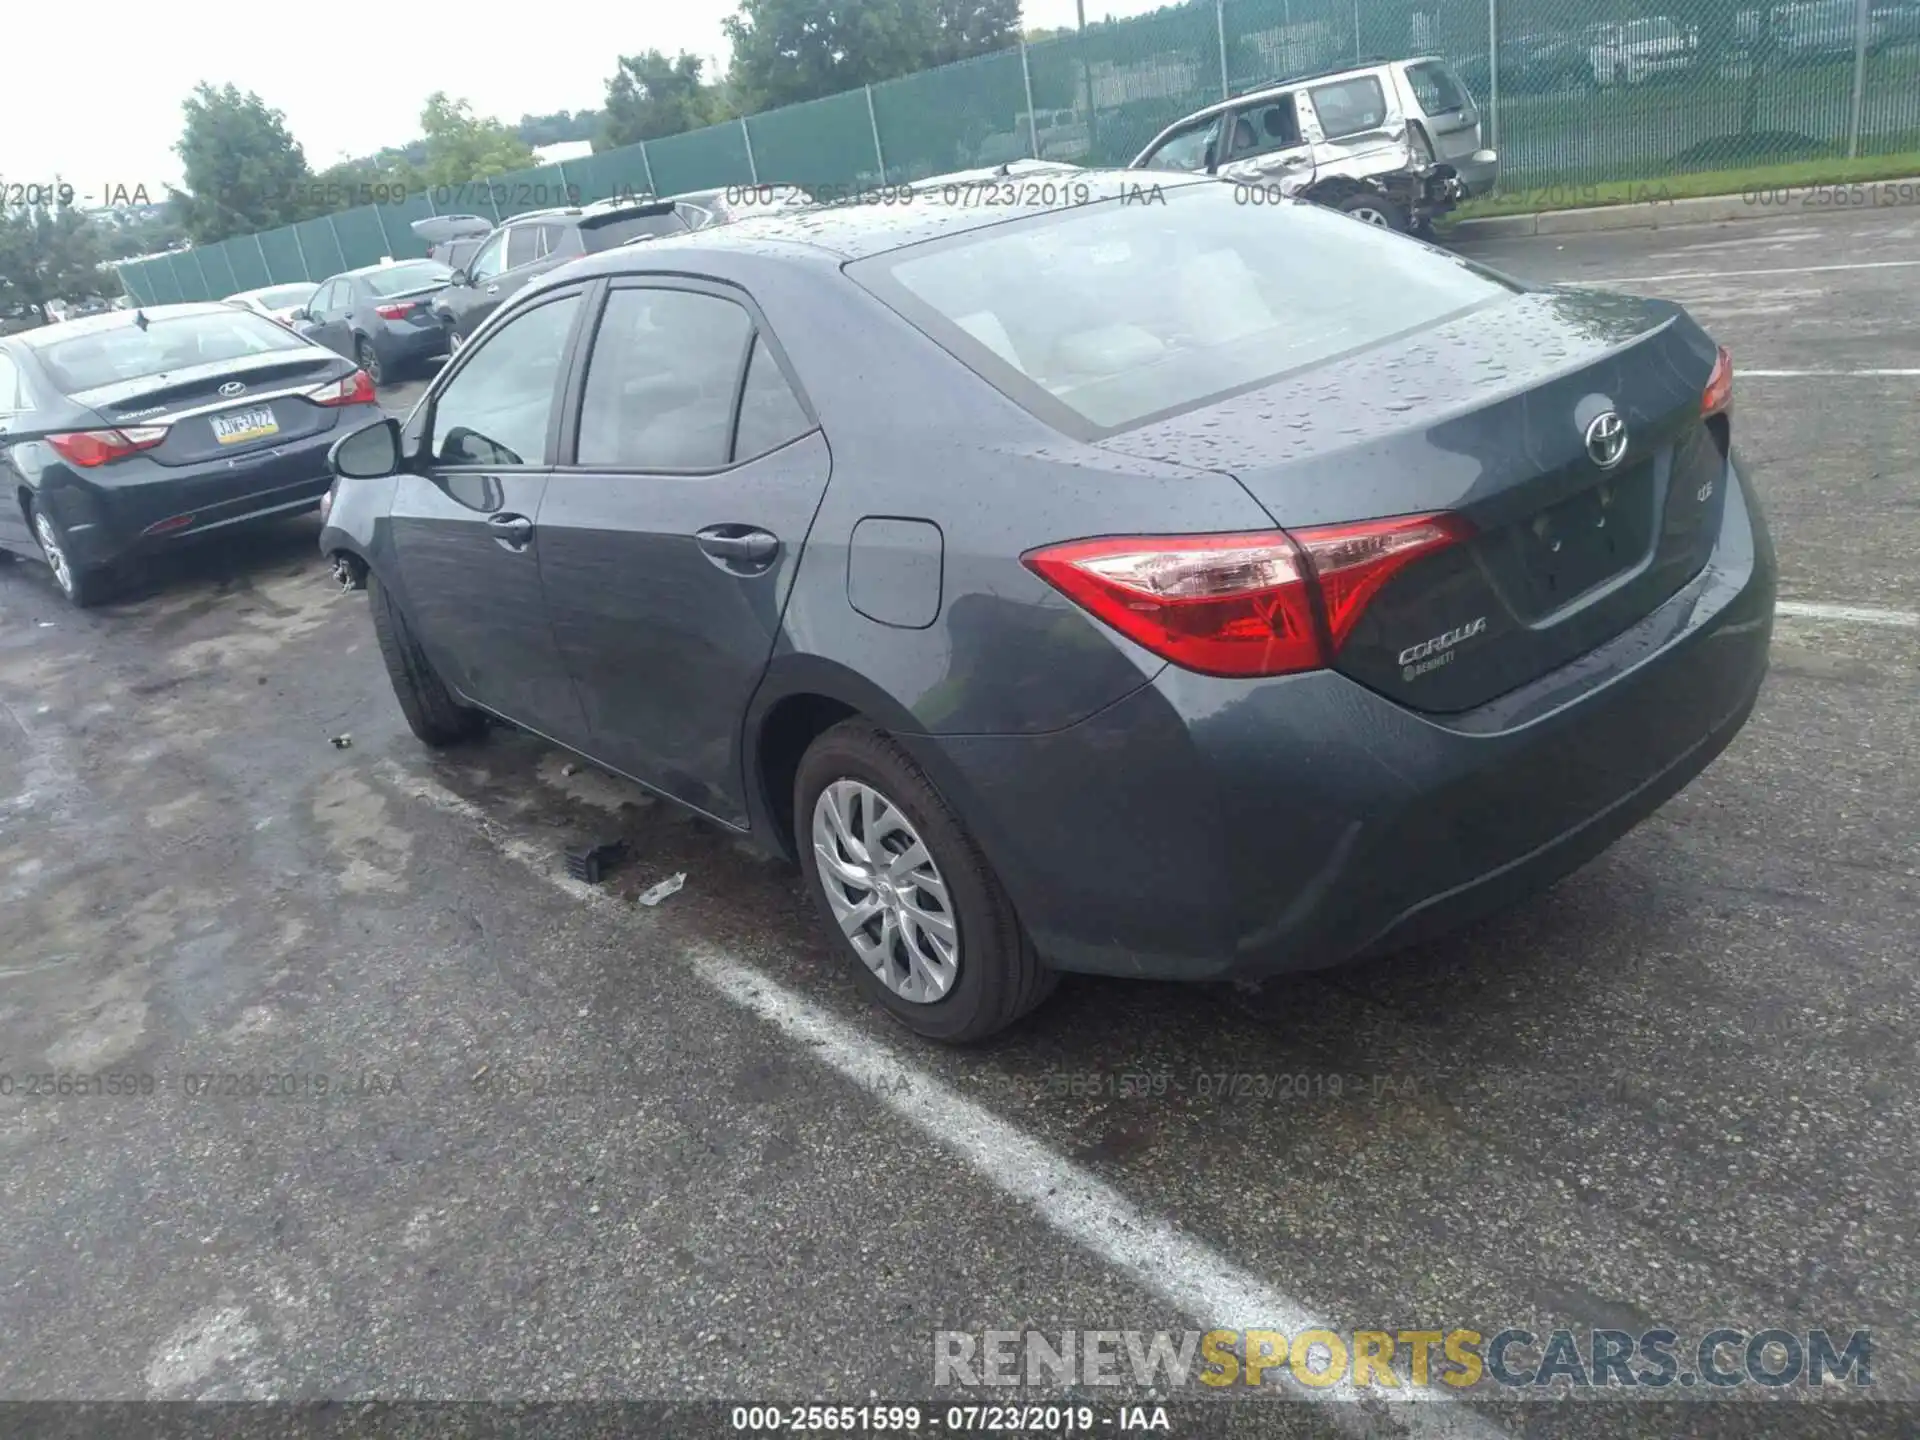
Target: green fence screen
x: 1572, y: 94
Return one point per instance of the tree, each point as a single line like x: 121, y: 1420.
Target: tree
x: 651, y: 96
x: 49, y: 253
x: 461, y: 146
x: 243, y: 170
x: 790, y: 50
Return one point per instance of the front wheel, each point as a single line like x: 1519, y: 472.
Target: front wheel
x: 905, y: 889
x: 1372, y: 209
x: 433, y: 715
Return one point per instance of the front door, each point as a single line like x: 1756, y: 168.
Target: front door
x: 669, y: 542
x: 327, y: 317
x: 464, y: 528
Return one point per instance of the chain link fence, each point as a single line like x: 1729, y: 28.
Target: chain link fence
x: 1573, y: 95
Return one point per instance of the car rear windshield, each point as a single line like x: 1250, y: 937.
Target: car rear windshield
x: 413, y: 275
x: 1107, y: 315
x: 605, y: 234
x: 175, y: 342
x: 284, y: 297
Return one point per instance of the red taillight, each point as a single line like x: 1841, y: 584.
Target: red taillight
x: 356, y: 389
x: 88, y: 448
x: 1717, y: 398
x: 1247, y: 604
x: 396, y: 312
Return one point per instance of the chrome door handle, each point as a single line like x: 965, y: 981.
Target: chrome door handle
x: 493, y: 290
x: 512, y: 531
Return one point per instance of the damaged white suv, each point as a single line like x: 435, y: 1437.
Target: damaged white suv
x: 1395, y: 142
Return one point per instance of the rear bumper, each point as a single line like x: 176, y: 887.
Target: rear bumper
x: 411, y: 345
x: 1478, y: 172
x: 113, y: 517
x: 1215, y: 829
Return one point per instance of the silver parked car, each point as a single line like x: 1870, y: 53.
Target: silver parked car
x: 1395, y: 143
x: 277, y: 302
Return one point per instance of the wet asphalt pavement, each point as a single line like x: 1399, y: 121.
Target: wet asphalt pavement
x: 574, y: 1147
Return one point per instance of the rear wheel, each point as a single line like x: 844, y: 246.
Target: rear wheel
x: 906, y: 891
x: 432, y: 713
x: 368, y: 359
x: 82, y: 587
x: 1372, y: 209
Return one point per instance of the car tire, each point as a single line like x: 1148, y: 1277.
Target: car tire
x: 433, y: 715
x: 995, y: 977
x: 368, y: 359
x: 1372, y: 209
x: 83, y: 588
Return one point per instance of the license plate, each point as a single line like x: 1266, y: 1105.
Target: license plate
x: 245, y: 425
x: 1590, y: 538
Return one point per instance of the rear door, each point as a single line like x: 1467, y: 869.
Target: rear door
x: 463, y: 526
x: 327, y: 317
x: 1266, y: 145
x: 670, y: 539
x: 1452, y: 120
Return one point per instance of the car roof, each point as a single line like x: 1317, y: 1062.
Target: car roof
x: 117, y: 320
x: 853, y: 231
x: 1254, y: 93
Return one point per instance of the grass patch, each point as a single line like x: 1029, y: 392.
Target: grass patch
x: 1797, y: 173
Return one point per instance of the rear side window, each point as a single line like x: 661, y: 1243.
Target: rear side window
x: 1437, y: 88
x: 770, y: 413
x: 1103, y: 316
x: 173, y: 342
x: 523, y: 246
x: 1348, y: 107
x: 661, y: 381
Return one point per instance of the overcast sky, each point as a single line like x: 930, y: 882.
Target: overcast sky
x: 92, y: 89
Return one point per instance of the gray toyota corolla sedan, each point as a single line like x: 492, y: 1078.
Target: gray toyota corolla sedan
x: 1091, y: 580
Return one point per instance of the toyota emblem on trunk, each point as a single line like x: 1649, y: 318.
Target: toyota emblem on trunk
x: 1607, y: 439
x: 234, y: 387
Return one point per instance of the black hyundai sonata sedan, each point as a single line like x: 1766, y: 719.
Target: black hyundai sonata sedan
x: 1143, y: 585
x: 137, y: 429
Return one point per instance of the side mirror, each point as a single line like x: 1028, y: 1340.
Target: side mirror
x: 299, y: 315
x: 459, y: 277
x: 369, y: 453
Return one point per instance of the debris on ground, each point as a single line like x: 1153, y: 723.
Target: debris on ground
x: 569, y: 769
x: 654, y: 894
x: 342, y: 742
x: 591, y: 862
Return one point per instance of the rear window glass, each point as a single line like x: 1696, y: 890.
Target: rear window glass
x: 609, y: 233
x: 168, y: 343
x: 413, y: 275
x: 1349, y: 106
x: 1106, y: 315
x: 284, y: 297
x: 1436, y: 87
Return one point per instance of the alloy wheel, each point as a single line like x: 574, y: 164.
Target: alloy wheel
x: 885, y: 891
x: 1371, y: 216
x: 49, y: 539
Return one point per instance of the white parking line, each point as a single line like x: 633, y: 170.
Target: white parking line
x: 1821, y: 374
x: 1852, y: 614
x: 1744, y: 274
x: 1149, y: 1250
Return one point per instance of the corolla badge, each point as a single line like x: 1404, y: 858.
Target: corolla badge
x: 232, y: 387
x: 1432, y: 654
x: 1607, y: 439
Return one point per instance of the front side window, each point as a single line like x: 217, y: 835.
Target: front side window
x: 1348, y: 107
x: 491, y: 259
x: 495, y: 410
x: 1107, y: 315
x: 1191, y: 149
x: 661, y: 381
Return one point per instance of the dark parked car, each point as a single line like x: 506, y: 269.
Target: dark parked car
x: 727, y: 203
x: 1190, y: 589
x: 531, y: 245
x: 132, y: 430
x: 380, y: 315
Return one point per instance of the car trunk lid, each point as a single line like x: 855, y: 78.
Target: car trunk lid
x: 1489, y: 416
x: 203, y: 422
